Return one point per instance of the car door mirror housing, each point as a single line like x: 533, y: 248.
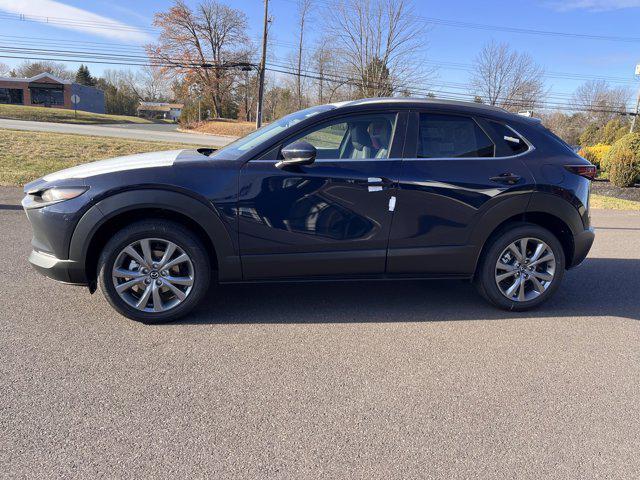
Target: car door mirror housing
x: 297, y: 153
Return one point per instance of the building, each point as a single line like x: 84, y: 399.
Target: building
x: 170, y: 111
x: 47, y: 90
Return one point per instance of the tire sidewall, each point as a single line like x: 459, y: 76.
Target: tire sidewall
x: 165, y: 230
x: 487, y: 284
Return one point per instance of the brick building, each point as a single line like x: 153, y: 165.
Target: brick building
x: 47, y: 90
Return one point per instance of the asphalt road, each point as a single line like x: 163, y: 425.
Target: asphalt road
x: 372, y: 381
x: 133, y: 131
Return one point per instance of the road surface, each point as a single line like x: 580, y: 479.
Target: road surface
x: 133, y: 131
x: 390, y: 380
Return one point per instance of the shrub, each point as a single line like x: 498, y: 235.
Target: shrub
x: 587, y: 154
x: 590, y: 135
x: 595, y: 154
x: 624, y: 159
x: 624, y: 169
x: 614, y: 130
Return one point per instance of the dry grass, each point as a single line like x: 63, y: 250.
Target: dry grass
x: 62, y: 115
x: 234, y: 128
x: 612, y: 203
x: 26, y: 156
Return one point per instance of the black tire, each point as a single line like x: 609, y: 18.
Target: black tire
x: 160, y: 229
x: 485, y: 279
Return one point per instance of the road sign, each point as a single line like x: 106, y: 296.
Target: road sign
x: 75, y: 99
x: 638, y: 69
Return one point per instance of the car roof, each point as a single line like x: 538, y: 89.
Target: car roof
x: 449, y: 105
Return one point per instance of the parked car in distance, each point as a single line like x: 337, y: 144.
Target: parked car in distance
x: 368, y: 189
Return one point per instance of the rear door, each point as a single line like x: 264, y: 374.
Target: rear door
x: 328, y: 218
x: 456, y: 167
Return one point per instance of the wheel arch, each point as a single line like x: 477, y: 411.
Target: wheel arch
x: 114, y: 212
x: 545, y: 210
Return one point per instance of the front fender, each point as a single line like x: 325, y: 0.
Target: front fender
x: 199, y: 211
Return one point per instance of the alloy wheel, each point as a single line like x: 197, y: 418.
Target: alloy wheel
x: 525, y: 269
x: 153, y: 275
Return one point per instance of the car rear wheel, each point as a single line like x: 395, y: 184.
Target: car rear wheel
x: 154, y: 271
x: 521, y: 267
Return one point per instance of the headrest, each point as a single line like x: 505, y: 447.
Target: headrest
x: 360, y: 138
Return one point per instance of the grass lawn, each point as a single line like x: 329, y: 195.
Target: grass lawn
x: 234, y: 128
x: 62, y: 115
x: 612, y: 203
x: 25, y: 156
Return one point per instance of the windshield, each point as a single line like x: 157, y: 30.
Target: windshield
x: 244, y: 144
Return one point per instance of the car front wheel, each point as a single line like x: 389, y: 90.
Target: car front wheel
x: 154, y: 271
x: 521, y: 267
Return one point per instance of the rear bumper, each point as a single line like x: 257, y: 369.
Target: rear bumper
x: 581, y: 246
x: 66, y: 271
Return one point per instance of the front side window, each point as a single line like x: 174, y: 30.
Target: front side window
x: 352, y: 137
x: 263, y: 135
x: 452, y: 136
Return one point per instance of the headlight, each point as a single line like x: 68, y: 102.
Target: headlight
x: 52, y: 195
x: 62, y: 193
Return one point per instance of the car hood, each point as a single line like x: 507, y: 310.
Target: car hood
x: 119, y: 164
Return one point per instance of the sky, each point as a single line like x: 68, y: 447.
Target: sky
x: 125, y: 26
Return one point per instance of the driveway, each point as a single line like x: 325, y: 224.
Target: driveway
x: 157, y: 132
x: 377, y: 381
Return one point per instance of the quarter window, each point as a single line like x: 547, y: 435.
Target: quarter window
x: 508, y: 142
x: 452, y: 136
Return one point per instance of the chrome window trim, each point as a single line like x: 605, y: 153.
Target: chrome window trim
x: 329, y: 160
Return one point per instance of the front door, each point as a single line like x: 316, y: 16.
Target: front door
x: 456, y: 168
x: 328, y: 218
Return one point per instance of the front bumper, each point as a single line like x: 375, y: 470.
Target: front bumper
x: 581, y: 245
x: 66, y: 271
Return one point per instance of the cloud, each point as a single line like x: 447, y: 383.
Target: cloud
x: 60, y: 15
x: 593, y: 5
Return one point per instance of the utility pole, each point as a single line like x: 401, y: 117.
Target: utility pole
x: 263, y: 61
x: 635, y: 117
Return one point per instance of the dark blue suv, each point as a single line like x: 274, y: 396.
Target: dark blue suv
x: 369, y: 189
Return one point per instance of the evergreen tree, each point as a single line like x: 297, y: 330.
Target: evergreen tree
x: 84, y: 77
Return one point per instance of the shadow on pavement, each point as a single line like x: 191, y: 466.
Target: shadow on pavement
x: 4, y: 206
x: 599, y: 287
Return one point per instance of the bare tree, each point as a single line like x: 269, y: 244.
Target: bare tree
x: 304, y: 8
x: 29, y: 69
x: 203, y: 44
x: 378, y: 41
x: 601, y: 101
x: 566, y: 126
x: 4, y: 69
x: 325, y: 68
x: 153, y: 84
x: 506, y: 78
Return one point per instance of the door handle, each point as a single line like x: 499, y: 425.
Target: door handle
x: 376, y: 184
x: 508, y: 178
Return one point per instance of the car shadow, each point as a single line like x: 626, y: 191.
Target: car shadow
x: 599, y: 287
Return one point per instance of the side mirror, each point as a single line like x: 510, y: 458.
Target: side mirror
x: 297, y: 153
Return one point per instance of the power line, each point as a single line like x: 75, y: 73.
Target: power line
x: 140, y: 60
x: 457, y: 96
x: 503, y: 28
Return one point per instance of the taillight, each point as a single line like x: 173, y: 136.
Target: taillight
x: 586, y: 171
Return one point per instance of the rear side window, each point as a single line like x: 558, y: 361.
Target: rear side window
x: 508, y: 142
x: 452, y: 136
